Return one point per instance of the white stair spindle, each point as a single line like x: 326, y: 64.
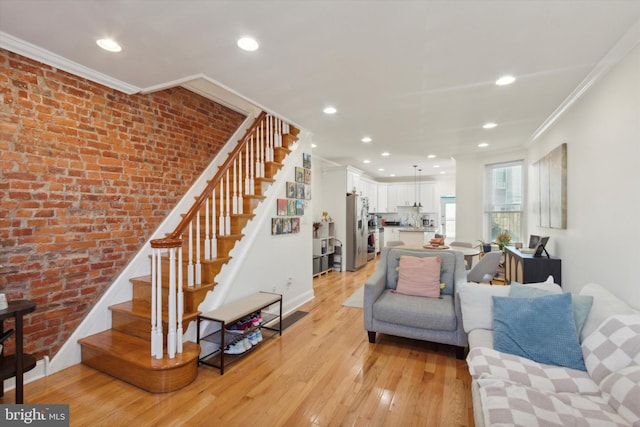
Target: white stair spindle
x: 271, y: 141
x: 171, y: 335
x: 240, y: 198
x: 179, y: 332
x: 247, y: 179
x: 261, y: 148
x: 267, y: 134
x: 159, y: 338
x: 278, y: 137
x: 207, y: 236
x: 154, y: 301
x: 221, y: 215
x: 190, y: 267
x: 214, y: 239
x: 198, y: 263
x: 235, y: 186
x: 258, y: 153
x: 227, y: 218
x: 252, y: 160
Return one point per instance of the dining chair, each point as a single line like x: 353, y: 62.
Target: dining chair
x: 486, y: 269
x: 467, y: 258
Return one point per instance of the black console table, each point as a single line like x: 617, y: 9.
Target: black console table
x: 526, y: 268
x: 15, y: 365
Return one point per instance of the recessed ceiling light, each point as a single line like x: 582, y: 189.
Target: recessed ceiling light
x: 489, y: 125
x: 431, y: 156
x: 385, y: 154
x: 366, y: 161
x: 392, y: 174
x: 380, y: 169
x: 109, y: 44
x: 483, y: 144
x: 505, y: 80
x: 329, y: 110
x: 442, y: 172
x: 314, y: 145
x: 436, y: 166
x: 248, y: 43
x: 366, y: 139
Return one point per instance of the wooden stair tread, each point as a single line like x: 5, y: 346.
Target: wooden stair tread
x: 137, y: 351
x: 129, y: 359
x: 146, y: 280
x: 142, y: 309
x: 237, y: 236
x: 222, y: 259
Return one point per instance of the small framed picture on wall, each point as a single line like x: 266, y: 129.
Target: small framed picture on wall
x: 282, y: 207
x: 291, y: 190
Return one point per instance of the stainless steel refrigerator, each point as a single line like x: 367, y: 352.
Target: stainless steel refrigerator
x: 357, y: 232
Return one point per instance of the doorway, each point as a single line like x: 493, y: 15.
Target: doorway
x: 448, y: 216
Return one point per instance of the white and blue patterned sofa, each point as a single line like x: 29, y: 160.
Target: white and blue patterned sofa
x: 514, y: 390
x: 429, y: 319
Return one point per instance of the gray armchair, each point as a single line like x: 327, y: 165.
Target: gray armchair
x: 429, y: 319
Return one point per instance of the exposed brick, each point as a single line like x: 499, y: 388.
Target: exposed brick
x: 87, y: 174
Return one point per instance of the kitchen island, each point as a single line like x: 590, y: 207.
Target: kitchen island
x: 409, y: 235
x: 415, y: 235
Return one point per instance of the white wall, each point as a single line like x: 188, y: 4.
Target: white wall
x: 470, y: 172
x: 602, y: 132
x: 445, y: 185
x: 269, y: 261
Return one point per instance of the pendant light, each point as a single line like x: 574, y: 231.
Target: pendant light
x: 419, y: 184
x: 415, y: 187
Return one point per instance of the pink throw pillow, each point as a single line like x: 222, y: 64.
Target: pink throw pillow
x: 419, y: 276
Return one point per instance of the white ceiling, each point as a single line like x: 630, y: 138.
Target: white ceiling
x: 416, y: 76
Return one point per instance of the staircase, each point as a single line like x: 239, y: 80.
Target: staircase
x: 166, y: 301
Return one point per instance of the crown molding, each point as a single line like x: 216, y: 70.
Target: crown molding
x: 21, y: 47
x: 210, y: 89
x: 626, y: 43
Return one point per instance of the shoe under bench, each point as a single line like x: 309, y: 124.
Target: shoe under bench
x: 213, y: 343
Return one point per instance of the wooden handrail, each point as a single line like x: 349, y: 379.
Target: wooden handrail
x: 175, y: 238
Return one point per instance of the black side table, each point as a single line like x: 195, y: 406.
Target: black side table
x: 15, y: 365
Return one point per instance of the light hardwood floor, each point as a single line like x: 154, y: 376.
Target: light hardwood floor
x: 322, y: 371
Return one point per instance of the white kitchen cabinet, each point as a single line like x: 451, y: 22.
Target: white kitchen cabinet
x: 400, y: 194
x: 390, y: 234
x: 369, y: 189
x: 373, y: 196
x: 406, y: 194
x: 392, y: 198
x: 353, y: 181
x: 382, y: 198
x: 427, y: 197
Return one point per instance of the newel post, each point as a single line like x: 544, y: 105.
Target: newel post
x: 173, y: 248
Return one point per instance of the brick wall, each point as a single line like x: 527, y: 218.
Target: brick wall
x: 86, y: 175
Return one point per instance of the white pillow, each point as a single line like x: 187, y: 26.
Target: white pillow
x: 604, y: 305
x: 476, y: 302
x: 548, y: 285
